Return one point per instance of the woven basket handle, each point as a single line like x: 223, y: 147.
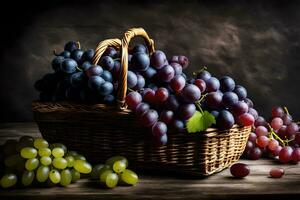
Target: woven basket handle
x: 102, y: 46
x: 130, y: 34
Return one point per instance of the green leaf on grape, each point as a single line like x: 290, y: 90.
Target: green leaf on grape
x: 200, y: 122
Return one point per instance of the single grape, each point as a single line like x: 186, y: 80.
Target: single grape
x: 119, y: 166
x: 213, y: 100
x: 79, y: 157
x: 240, y: 91
x: 183, y: 61
x: 252, y: 137
x: 140, y: 82
x: 88, y: 55
x: 287, y: 119
x: 28, y: 152
x: 70, y: 161
x: 85, y: 66
x: 107, y: 76
x: 104, y: 174
x: 166, y: 73
x: 282, y: 132
x: 253, y: 112
x: 262, y: 141
x: 96, y: 171
x: 277, y: 150
x: 212, y: 84
x: 44, y: 152
x: 131, y: 79
x: 111, y: 52
x: 239, y: 108
x: 56, y: 63
x: 133, y: 99
x: 249, y: 146
x: 248, y: 102
x: 149, y: 118
x: 71, y: 46
x: 60, y: 145
x: 31, y: 164
x: 77, y: 55
x: 255, y: 153
x: 227, y: 84
x: 177, y: 83
x: 225, y: 120
x: 178, y: 125
x: 239, y: 170
x: 95, y: 82
x: 172, y: 103
x: 166, y: 116
x: 177, y: 68
x: 58, y: 152
x: 106, y: 88
x: 161, y: 94
x: 260, y: 121
x: 204, y: 75
x: 215, y: 113
x: 69, y: 66
x: 229, y: 99
x: 191, y: 93
x: 75, y: 175
x: 45, y: 160
x: 149, y: 96
x: 139, y: 48
x: 186, y: 111
x: 140, y: 61
x: 107, y: 63
x: 261, y: 131
x: 149, y: 74
x: 42, y: 173
x: 200, y: 84
x: 285, y: 155
x: 129, y: 177
x: 295, y: 157
x: 277, y: 112
x: 276, y: 123
x: 54, y: 176
x: 93, y: 70
x: 291, y: 129
x: 82, y: 166
x: 27, y: 178
x: 59, y: 163
x: 77, y: 79
x: 65, y: 177
x: 141, y: 109
x: 159, y: 129
x: 158, y: 59
x: 8, y: 180
x: 276, y: 172
x: 246, y: 119
x: 273, y: 144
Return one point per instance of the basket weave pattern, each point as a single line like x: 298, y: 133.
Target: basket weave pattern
x: 101, y: 131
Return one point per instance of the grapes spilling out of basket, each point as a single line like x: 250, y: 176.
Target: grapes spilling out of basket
x: 30, y: 161
x: 159, y: 92
x: 278, y: 138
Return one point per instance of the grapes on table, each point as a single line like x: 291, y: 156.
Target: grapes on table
x: 239, y: 170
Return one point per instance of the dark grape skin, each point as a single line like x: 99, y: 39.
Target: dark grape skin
x: 149, y: 118
x: 224, y: 120
x: 65, y: 54
x: 140, y: 61
x: 215, y: 113
x: 106, y: 88
x: 249, y: 102
x: 149, y: 96
x: 141, y: 109
x: 133, y: 99
x: 166, y: 116
x: 177, y: 68
x: 277, y: 112
x: 255, y: 153
x: 213, y: 100
x: 178, y: 125
x: 139, y: 48
x: 94, y: 70
x: 107, y: 63
x: 71, y: 46
x: 86, y: 65
x: 204, y: 75
x: 227, y: 84
x: 212, y: 84
x: 95, y: 82
x: 172, y: 103
x: 285, y: 155
x: 88, y: 55
x: 166, y: 73
x: 56, y: 63
x: 240, y: 91
x: 183, y: 61
x: 186, y: 111
x: 159, y: 129
x: 260, y: 121
x: 239, y: 108
x: 111, y: 52
x: 109, y: 99
x: 239, y: 170
x: 158, y: 59
x: 77, y: 79
x: 160, y: 141
x: 140, y: 82
x: 191, y: 93
x: 69, y: 66
x: 287, y: 119
x: 116, y: 69
x: 253, y: 112
x: 177, y: 83
x: 291, y: 129
x: 200, y: 84
x: 161, y: 94
x: 131, y: 79
x: 149, y: 73
x: 107, y: 76
x: 229, y: 99
x: 77, y: 55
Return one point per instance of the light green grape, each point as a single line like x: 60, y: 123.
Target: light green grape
x: 72, y: 153
x: 82, y: 166
x: 114, y: 159
x: 45, y: 160
x: 119, y: 166
x: 60, y: 145
x: 111, y: 180
x: 8, y: 180
x: 31, y: 164
x: 129, y: 177
x: 42, y: 173
x: 104, y: 175
x: 27, y: 177
x: 25, y: 141
x: 70, y: 160
x: 44, y: 152
x: 54, y: 176
x: 103, y: 169
x: 58, y: 152
x: 59, y: 163
x: 40, y: 143
x: 79, y: 157
x: 75, y: 175
x: 66, y: 177
x: 96, y: 171
x: 28, y: 152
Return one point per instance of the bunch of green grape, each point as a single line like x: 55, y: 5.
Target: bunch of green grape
x: 114, y: 172
x: 30, y: 161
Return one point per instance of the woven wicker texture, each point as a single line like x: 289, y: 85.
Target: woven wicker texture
x: 100, y: 131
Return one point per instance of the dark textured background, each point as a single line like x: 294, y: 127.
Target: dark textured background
x: 257, y: 43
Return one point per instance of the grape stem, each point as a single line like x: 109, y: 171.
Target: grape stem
x: 78, y: 43
x: 275, y: 135
x: 130, y: 90
x: 197, y: 103
x: 79, y: 69
x: 202, y: 69
x: 286, y: 110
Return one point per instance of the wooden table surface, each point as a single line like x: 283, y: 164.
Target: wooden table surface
x: 218, y: 186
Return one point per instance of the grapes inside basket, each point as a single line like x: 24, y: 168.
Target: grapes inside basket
x: 137, y: 101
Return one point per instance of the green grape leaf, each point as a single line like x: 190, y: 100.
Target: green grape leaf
x: 195, y: 123
x: 200, y: 122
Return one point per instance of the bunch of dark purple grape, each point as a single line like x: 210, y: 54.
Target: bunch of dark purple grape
x: 76, y: 79
x: 277, y: 138
x: 159, y: 92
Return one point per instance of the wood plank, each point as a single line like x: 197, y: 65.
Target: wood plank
x: 165, y: 186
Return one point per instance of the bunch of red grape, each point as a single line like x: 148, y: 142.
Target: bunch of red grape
x: 278, y: 138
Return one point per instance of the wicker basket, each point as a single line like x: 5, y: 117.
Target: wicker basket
x: 100, y: 131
